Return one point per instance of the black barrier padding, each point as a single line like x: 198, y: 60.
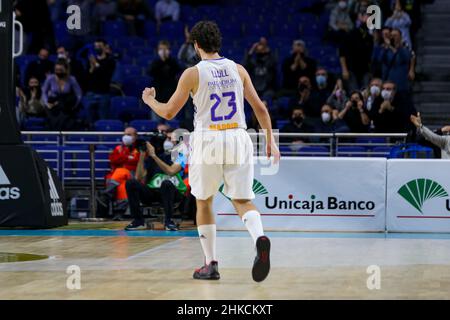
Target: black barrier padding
x: 9, y: 130
x: 57, y: 215
x: 25, y: 192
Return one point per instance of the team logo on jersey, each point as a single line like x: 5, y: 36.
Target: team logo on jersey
x: 7, y: 191
x: 56, y: 207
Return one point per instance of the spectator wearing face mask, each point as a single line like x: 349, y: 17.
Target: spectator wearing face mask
x: 400, y: 20
x: 443, y: 142
x: 340, y: 22
x: 164, y: 71
x: 355, y: 114
x: 297, y: 124
x: 381, y: 40
x: 391, y: 113
x: 101, y: 70
x: 338, y: 96
x: 307, y: 98
x: 30, y: 100
x: 322, y: 85
x: 123, y: 160
x: 76, y: 68
x: 261, y: 65
x: 39, y: 68
x: 398, y: 62
x: 62, y: 95
x: 299, y: 64
x: 329, y: 121
x: 372, y: 92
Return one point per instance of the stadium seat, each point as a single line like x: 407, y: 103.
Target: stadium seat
x: 114, y: 29
x: 133, y: 86
x: 144, y: 61
x: 118, y: 103
x: 380, y: 152
x: 283, y: 102
x: 129, y: 70
x: 371, y: 140
x: 311, y: 151
x: 351, y: 151
x: 171, y: 30
x: 34, y: 124
x: 130, y: 41
x: 144, y: 125
x: 282, y: 123
x: 108, y: 125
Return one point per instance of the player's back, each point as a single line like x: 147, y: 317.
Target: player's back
x: 219, y: 100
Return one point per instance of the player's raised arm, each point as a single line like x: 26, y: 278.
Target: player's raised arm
x: 260, y: 111
x: 188, y: 81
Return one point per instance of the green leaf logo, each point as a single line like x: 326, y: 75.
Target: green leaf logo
x: 417, y: 191
x: 257, y: 188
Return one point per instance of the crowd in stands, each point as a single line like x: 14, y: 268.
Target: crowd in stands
x: 315, y: 63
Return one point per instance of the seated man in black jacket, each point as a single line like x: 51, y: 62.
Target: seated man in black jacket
x: 391, y: 110
x: 157, y: 179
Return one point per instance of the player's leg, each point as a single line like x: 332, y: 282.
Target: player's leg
x: 206, y: 226
x: 250, y: 217
x: 252, y: 221
x: 238, y: 185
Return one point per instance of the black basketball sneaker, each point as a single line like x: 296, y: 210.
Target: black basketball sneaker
x: 261, y: 265
x: 208, y: 272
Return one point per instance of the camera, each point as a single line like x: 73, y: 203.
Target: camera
x: 302, y: 87
x: 157, y: 141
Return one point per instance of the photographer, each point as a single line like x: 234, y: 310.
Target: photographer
x: 157, y: 179
x: 355, y: 113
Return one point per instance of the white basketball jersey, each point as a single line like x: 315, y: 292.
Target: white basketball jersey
x: 219, y: 100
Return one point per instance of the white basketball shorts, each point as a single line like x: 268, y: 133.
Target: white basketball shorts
x: 222, y: 156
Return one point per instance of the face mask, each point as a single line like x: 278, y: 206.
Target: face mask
x: 98, y: 51
x: 168, y: 145
x: 298, y: 119
x: 326, y: 117
x: 127, y: 140
x: 60, y: 74
x: 342, y: 4
x: 163, y: 53
x: 338, y: 93
x: 374, y: 90
x: 62, y: 56
x: 321, y: 80
x: 386, y: 94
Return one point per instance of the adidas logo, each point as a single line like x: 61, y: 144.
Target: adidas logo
x: 56, y: 207
x: 7, y: 192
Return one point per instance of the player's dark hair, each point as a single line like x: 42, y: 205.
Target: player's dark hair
x: 207, y: 35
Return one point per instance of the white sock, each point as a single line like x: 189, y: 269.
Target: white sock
x: 207, y: 235
x: 252, y: 221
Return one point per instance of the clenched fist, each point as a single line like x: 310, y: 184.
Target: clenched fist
x: 148, y: 93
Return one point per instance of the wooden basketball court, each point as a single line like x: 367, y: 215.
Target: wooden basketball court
x: 159, y: 265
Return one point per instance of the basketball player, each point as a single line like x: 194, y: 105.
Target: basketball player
x: 218, y: 87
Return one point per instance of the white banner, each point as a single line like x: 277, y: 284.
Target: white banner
x: 418, y: 195
x: 316, y: 194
